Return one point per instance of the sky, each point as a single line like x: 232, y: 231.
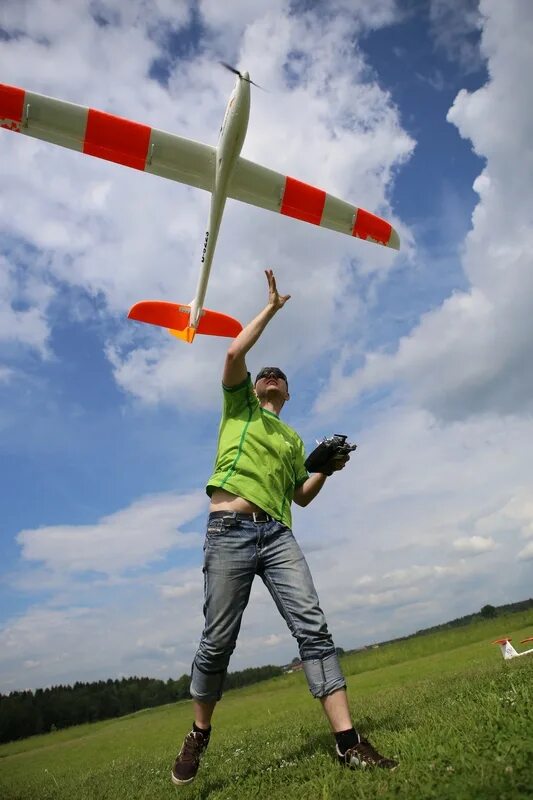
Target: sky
x: 418, y: 111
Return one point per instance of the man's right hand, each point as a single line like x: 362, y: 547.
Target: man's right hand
x: 235, y: 370
x: 275, y: 299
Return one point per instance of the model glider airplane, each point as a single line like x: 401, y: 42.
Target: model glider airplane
x: 508, y: 650
x: 219, y: 170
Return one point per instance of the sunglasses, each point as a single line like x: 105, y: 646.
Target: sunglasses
x: 271, y: 372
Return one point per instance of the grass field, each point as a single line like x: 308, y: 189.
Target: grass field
x: 457, y: 716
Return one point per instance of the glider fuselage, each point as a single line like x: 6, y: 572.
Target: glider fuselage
x: 230, y: 141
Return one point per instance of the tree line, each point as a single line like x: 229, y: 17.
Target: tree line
x: 27, y: 713
x: 487, y: 612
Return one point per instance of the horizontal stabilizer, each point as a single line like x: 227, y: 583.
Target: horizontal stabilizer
x: 159, y: 312
x: 213, y: 323
x: 529, y: 639
x: 175, y: 317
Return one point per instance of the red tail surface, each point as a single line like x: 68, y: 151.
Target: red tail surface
x: 175, y: 317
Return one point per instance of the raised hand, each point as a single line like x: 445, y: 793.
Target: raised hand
x: 275, y: 299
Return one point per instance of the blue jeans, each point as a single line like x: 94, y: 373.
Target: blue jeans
x: 234, y: 553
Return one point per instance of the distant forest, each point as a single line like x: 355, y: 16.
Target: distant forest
x: 487, y: 612
x: 27, y: 713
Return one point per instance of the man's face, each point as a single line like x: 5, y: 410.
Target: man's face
x: 270, y: 383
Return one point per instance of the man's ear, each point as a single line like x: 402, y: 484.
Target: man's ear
x: 287, y: 396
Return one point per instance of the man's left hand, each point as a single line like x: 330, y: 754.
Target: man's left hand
x: 335, y: 464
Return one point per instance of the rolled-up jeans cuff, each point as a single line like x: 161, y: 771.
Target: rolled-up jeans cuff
x: 206, y: 686
x: 324, y: 675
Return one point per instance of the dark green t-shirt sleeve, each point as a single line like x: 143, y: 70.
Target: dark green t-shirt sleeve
x: 299, y: 467
x: 240, y: 398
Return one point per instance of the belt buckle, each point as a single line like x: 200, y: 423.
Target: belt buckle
x: 229, y: 519
x: 259, y: 516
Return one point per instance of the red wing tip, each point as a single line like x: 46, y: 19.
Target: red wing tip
x: 135, y: 307
x: 501, y: 641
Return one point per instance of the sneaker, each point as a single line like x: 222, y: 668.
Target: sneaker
x: 364, y: 755
x: 188, y: 759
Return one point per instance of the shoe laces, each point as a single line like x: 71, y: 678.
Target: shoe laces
x: 366, y: 754
x: 192, y: 748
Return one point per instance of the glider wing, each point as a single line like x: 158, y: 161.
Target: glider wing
x: 97, y: 133
x: 263, y: 187
x: 141, y: 147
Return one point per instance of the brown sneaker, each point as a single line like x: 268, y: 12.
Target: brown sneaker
x: 363, y: 755
x: 188, y: 759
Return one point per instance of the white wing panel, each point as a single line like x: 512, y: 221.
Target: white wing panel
x: 54, y: 121
x: 182, y: 160
x: 257, y: 185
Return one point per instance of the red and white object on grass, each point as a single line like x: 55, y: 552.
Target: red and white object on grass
x: 219, y: 170
x: 508, y: 650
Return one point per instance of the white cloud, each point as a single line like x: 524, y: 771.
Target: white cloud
x: 272, y: 640
x: 140, y: 638
x: 122, y: 236
x: 133, y: 537
x: 527, y: 553
x: 455, y: 28
x: 380, y: 538
x: 379, y: 541
x: 468, y: 356
x: 227, y: 23
x: 474, y: 545
x: 516, y: 515
x: 169, y: 592
x: 23, y: 307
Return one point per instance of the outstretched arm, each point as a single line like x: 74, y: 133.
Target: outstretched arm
x: 235, y: 370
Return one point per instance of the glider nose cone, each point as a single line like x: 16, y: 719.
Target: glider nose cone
x: 394, y: 240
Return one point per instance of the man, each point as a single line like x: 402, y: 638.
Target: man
x: 259, y: 470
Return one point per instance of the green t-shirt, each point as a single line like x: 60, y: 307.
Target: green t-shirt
x: 259, y: 457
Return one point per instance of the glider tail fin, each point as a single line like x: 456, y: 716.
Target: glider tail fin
x: 186, y: 335
x: 176, y: 318
x: 506, y: 648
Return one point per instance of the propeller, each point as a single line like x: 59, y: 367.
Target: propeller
x: 236, y: 72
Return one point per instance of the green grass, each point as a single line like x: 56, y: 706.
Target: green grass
x: 459, y: 718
